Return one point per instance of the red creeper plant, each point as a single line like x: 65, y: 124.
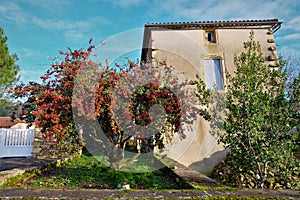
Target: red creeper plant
x: 109, y: 106
x: 48, y: 103
x: 120, y: 100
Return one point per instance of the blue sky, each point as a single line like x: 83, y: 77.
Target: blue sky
x: 38, y: 29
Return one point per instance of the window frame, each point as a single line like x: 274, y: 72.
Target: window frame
x: 211, y: 32
x: 222, y: 69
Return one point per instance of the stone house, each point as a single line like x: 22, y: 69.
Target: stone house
x: 206, y: 48
x: 8, y: 122
x: 16, y: 139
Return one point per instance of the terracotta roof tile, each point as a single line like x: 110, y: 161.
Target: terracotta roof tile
x: 7, y: 122
x: 201, y: 24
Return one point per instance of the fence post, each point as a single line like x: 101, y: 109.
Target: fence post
x: 36, y: 143
x: 1, y: 142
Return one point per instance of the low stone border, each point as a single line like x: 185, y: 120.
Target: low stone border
x: 142, y: 194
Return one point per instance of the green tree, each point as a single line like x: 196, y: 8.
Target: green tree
x: 8, y: 69
x: 292, y: 67
x: 258, y: 124
x: 293, y: 91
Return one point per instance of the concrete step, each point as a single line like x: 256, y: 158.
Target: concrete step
x: 193, y: 177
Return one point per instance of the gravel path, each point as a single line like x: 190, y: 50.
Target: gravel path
x: 127, y: 194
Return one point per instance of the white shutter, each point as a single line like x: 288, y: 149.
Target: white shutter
x: 213, y: 74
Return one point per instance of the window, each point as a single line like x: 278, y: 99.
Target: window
x: 213, y: 74
x: 211, y: 37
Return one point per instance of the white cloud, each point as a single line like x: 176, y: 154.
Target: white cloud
x: 100, y: 20
x: 27, y: 52
x: 53, y: 6
x: 10, y: 11
x: 31, y: 72
x: 289, y: 50
x: 125, y: 3
x: 72, y: 30
x: 224, y: 10
x: 65, y: 24
x: 75, y: 36
x: 60, y: 24
x: 293, y: 36
x: 9, y: 7
x: 31, y: 75
x: 293, y: 24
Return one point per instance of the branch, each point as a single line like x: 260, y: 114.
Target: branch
x: 261, y: 175
x: 126, y: 139
x: 129, y: 162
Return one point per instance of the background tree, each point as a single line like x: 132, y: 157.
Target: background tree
x: 258, y: 124
x: 293, y: 94
x: 292, y: 67
x: 11, y: 109
x: 8, y: 69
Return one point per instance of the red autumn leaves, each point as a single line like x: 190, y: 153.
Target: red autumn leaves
x: 51, y: 104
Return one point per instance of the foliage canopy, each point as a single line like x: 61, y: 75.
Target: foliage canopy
x: 8, y: 69
x: 259, y: 121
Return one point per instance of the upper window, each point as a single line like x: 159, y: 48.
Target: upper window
x: 213, y: 74
x: 211, y: 37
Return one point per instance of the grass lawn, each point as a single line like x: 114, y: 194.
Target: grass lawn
x: 88, y: 172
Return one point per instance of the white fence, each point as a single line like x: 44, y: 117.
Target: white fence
x: 16, y: 142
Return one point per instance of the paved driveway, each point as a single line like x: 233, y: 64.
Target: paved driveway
x: 21, y: 163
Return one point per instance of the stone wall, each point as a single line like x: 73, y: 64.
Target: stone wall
x: 46, y: 149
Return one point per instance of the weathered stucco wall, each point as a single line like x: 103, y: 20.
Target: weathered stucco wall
x: 185, y: 51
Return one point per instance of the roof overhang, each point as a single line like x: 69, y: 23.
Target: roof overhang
x: 273, y: 24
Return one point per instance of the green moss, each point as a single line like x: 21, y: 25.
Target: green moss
x: 10, y: 182
x: 234, y: 198
x: 219, y: 188
x: 219, y: 198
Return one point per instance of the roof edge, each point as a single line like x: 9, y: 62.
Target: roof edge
x: 272, y: 22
